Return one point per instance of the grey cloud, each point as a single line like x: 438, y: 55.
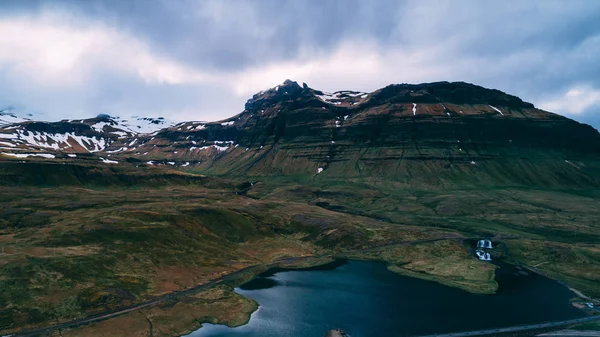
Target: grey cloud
x: 536, y: 50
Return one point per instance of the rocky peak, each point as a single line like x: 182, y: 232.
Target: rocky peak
x: 287, y: 91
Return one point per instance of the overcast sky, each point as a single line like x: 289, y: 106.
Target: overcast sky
x: 202, y: 59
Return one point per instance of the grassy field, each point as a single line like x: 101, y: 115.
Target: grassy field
x: 575, y: 264
x: 217, y: 306
x: 72, y: 251
x: 593, y: 326
x: 446, y: 262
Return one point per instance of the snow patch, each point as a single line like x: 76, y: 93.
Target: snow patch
x: 498, y: 110
x: 8, y: 119
x: 108, y: 161
x: 337, y: 97
x: 71, y: 155
x: 99, y: 127
x: 61, y: 140
x: 8, y: 136
x: 570, y: 163
x: 217, y: 147
x: 26, y: 155
x: 142, y: 125
x: 121, y: 149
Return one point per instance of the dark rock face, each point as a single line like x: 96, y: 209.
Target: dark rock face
x: 60, y: 127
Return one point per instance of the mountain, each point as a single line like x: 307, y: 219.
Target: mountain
x: 93, y: 135
x: 101, y: 215
x: 432, y: 133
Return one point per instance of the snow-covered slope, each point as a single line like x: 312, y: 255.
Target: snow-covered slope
x: 341, y: 97
x: 7, y: 118
x: 54, y: 141
x: 133, y: 125
x: 102, y: 133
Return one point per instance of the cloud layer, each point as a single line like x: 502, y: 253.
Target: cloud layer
x: 202, y: 59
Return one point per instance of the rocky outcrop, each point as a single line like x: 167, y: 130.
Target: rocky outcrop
x: 336, y: 333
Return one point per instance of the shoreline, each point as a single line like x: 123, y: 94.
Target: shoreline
x: 416, y: 275
x: 244, y: 275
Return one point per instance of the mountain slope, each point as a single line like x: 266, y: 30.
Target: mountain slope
x: 434, y: 133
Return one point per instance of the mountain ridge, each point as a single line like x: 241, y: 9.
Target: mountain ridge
x: 293, y: 129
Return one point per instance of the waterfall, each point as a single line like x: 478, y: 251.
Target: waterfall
x: 481, y: 253
x: 485, y: 243
x: 484, y: 256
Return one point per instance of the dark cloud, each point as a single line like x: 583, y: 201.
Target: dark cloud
x: 536, y: 50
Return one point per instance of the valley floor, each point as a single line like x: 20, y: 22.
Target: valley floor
x: 71, y: 252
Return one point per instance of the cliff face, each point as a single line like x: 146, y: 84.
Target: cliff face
x: 434, y: 133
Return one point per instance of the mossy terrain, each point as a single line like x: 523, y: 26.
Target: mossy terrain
x: 575, y: 264
x: 71, y: 251
x: 446, y: 262
x: 217, y: 306
x: 592, y: 326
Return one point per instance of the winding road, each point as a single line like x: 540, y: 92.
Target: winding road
x: 152, y: 302
x: 519, y: 328
x: 235, y: 275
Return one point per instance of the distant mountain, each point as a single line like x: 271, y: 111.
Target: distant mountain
x: 7, y: 118
x: 432, y: 133
x: 91, y: 135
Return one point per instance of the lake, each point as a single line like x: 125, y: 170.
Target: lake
x: 365, y: 299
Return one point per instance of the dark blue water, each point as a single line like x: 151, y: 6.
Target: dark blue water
x: 365, y: 299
